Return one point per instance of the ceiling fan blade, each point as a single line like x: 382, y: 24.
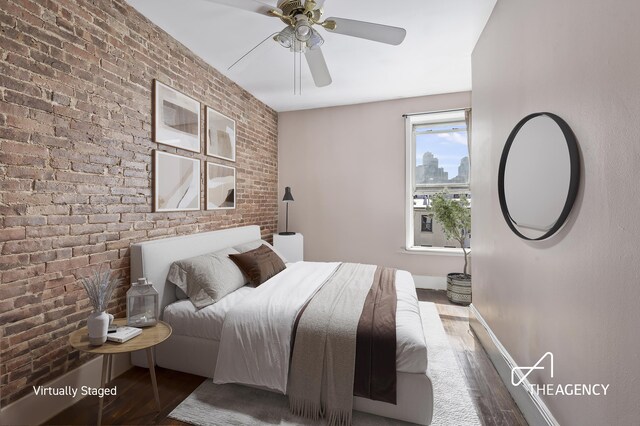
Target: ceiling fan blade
x: 318, y: 67
x: 367, y: 30
x: 248, y: 5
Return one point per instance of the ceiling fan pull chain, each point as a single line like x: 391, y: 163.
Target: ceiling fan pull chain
x: 297, y: 69
x: 254, y: 48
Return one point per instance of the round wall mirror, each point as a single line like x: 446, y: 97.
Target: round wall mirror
x: 538, y: 176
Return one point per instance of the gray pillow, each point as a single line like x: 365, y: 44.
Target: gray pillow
x: 207, y: 278
x: 243, y: 248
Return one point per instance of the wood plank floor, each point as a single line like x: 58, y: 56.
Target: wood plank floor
x: 492, y: 400
x: 134, y: 404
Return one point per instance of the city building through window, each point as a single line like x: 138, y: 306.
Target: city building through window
x: 437, y: 160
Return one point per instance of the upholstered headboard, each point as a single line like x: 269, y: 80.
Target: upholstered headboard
x: 152, y: 259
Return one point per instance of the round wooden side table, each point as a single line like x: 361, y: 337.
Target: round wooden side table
x: 149, y: 337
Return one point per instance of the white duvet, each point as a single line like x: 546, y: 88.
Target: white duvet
x: 256, y: 334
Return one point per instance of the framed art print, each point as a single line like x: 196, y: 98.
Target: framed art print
x: 221, y: 187
x: 176, y: 182
x: 221, y: 135
x: 176, y: 118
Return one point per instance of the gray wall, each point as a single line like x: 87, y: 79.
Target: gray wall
x: 346, y: 168
x: 576, y: 294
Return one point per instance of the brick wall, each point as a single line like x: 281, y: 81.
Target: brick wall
x: 75, y: 166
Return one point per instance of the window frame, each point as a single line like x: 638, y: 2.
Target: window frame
x: 435, y: 117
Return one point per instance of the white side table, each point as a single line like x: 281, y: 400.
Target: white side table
x: 291, y: 246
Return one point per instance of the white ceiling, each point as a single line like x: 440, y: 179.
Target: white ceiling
x: 434, y: 58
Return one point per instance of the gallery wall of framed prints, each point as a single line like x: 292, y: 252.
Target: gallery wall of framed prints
x: 176, y: 182
x: 220, y: 135
x: 221, y: 187
x: 177, y: 178
x: 176, y: 118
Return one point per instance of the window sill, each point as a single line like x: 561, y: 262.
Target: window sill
x: 438, y: 251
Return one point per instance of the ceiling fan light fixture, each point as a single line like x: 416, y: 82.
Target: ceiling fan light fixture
x: 315, y: 40
x: 303, y: 29
x: 285, y: 37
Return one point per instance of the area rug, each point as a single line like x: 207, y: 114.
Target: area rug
x: 235, y: 405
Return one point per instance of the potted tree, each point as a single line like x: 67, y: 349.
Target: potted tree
x: 454, y: 215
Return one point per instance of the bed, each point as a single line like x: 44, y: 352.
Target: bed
x: 195, y: 343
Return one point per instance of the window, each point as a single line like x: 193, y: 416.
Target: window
x: 426, y: 224
x: 437, y: 160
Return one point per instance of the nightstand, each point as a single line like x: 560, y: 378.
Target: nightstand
x: 291, y: 246
x: 149, y: 337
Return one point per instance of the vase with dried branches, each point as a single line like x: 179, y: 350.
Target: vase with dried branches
x: 99, y: 287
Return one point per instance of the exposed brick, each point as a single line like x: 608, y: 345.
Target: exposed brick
x: 13, y: 261
x: 120, y: 208
x: 70, y: 199
x: 26, y: 100
x: 68, y: 241
x: 25, y: 149
x: 76, y: 169
x: 49, y: 255
x: 47, y: 231
x: 66, y: 220
x: 7, y: 234
x: 104, y: 257
x: 119, y: 227
x: 83, y: 209
x: 45, y: 186
x: 67, y: 264
x: 21, y: 274
x: 88, y: 229
x: 26, y: 246
x: 104, y: 218
x: 133, y: 200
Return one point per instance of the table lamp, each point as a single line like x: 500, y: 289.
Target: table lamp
x: 287, y: 198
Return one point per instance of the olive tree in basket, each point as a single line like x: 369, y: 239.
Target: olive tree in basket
x: 454, y: 215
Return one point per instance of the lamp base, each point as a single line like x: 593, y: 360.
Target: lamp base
x: 286, y: 233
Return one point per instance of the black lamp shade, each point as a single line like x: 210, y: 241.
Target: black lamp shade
x: 287, y: 194
x: 287, y: 197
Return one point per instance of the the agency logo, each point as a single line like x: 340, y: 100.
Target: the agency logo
x: 520, y: 375
x: 525, y: 371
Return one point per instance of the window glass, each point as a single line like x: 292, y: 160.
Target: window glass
x: 439, y: 161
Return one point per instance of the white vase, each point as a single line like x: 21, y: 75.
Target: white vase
x: 98, y: 324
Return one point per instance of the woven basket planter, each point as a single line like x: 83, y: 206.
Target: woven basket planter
x: 459, y: 288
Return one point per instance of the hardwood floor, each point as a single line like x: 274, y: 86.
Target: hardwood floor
x: 134, y: 404
x: 492, y: 400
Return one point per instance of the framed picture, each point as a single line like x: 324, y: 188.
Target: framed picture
x: 221, y: 187
x: 221, y: 136
x: 176, y: 182
x: 176, y: 118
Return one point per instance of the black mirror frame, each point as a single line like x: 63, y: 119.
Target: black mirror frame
x: 574, y: 180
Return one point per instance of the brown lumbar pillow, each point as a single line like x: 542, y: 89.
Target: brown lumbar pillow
x: 259, y: 264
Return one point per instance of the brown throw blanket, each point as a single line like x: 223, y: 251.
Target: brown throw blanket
x: 375, y: 376
x: 356, y: 304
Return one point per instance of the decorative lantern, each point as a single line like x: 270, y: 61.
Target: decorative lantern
x: 142, y: 304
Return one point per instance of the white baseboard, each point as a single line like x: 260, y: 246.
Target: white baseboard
x: 430, y: 283
x: 531, y: 405
x: 35, y: 409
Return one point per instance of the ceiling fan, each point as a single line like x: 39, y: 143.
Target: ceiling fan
x: 300, y: 36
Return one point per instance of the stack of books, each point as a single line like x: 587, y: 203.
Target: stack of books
x: 122, y: 334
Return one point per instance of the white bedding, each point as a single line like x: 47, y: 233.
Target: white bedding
x: 206, y: 323
x: 256, y: 333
